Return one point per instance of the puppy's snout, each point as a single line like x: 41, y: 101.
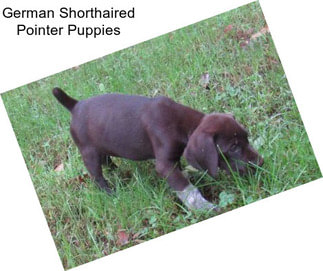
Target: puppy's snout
x: 257, y: 162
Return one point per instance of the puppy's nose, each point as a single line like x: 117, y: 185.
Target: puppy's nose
x: 258, y: 162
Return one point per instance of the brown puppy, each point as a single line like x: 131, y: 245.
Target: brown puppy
x: 141, y: 128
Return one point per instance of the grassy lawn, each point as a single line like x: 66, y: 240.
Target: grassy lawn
x: 245, y: 78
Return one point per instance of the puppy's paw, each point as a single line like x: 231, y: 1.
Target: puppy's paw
x: 216, y: 209
x: 193, y: 199
x: 108, y: 190
x: 102, y: 184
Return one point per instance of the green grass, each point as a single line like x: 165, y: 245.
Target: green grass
x: 248, y: 81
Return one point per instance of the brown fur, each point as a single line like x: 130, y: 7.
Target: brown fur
x: 141, y: 128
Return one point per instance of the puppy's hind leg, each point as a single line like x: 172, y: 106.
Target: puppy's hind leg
x: 92, y: 160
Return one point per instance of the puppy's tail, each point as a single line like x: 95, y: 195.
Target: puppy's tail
x: 64, y: 99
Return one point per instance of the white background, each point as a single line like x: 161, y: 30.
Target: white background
x: 283, y: 232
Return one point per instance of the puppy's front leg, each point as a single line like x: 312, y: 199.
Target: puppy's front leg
x: 92, y: 160
x: 186, y: 192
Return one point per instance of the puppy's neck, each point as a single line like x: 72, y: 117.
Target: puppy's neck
x: 192, y: 121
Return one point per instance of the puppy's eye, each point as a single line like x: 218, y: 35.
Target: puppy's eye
x: 234, y: 148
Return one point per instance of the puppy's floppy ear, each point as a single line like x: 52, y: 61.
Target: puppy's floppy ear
x: 201, y: 151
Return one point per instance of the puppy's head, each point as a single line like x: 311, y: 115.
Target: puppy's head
x: 220, y: 141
